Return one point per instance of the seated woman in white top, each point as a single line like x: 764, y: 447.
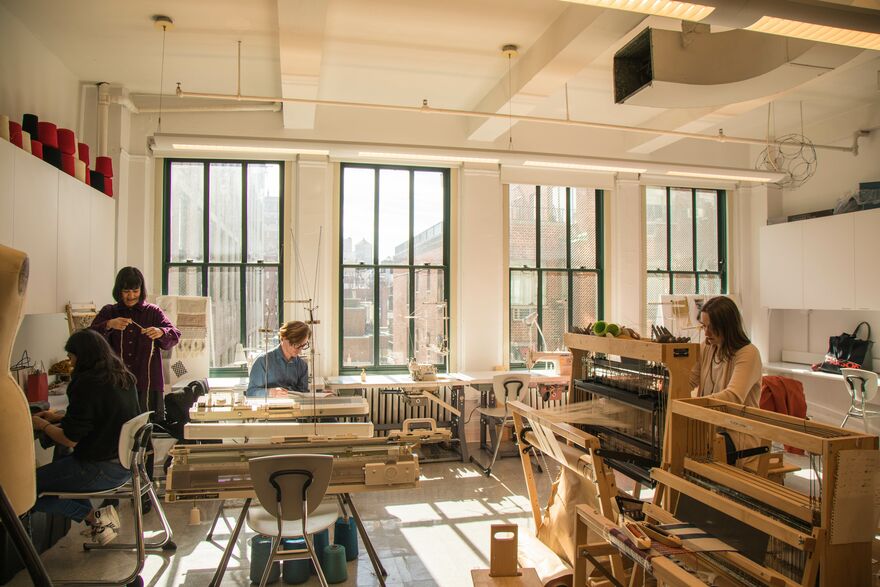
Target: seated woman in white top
x: 730, y: 365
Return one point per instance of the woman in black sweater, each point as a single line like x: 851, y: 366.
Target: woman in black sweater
x: 102, y: 397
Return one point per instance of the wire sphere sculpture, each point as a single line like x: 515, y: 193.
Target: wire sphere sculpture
x: 794, y: 155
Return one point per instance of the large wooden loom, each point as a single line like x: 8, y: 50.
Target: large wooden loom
x: 634, y: 375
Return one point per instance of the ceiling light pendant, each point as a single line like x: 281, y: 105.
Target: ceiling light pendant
x: 160, y: 21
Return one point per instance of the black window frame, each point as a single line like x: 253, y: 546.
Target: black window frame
x: 205, y: 265
x: 377, y: 266
x: 722, y: 241
x: 599, y: 269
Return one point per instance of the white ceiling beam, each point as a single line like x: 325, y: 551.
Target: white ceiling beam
x: 571, y: 43
x: 301, y: 30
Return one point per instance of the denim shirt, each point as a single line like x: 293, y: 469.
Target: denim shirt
x: 292, y: 375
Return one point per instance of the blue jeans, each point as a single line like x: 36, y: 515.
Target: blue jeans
x: 71, y: 474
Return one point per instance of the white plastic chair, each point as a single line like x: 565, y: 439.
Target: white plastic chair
x: 506, y: 387
x: 134, y: 439
x: 290, y: 489
x: 862, y: 388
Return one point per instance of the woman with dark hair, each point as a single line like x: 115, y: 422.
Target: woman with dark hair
x: 730, y: 365
x: 134, y: 329
x: 102, y: 398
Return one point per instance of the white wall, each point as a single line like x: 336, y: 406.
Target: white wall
x: 34, y: 80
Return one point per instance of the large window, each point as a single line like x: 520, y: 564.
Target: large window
x: 394, y: 250
x: 555, y: 261
x: 686, y: 243
x: 223, y: 236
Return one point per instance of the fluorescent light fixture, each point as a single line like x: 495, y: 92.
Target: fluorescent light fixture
x: 707, y: 175
x: 419, y: 157
x: 670, y: 8
x: 816, y: 32
x: 585, y: 167
x: 249, y: 149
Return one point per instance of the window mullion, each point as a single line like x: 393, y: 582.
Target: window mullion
x: 569, y: 275
x: 538, y: 272
x: 376, y: 290
x: 206, y: 206
x: 669, y: 239
x: 694, y: 239
x: 242, y: 271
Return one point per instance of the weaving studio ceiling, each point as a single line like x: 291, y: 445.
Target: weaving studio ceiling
x: 403, y: 51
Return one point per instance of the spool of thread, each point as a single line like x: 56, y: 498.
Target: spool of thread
x: 260, y: 548
x: 52, y: 155
x: 66, y: 141
x: 67, y: 164
x: 83, y: 153
x: 345, y: 535
x: 30, y: 123
x: 4, y: 127
x: 88, y: 176
x: 333, y: 565
x: 36, y: 148
x: 15, y: 133
x: 104, y: 165
x: 195, y: 514
x: 80, y: 170
x: 48, y: 135
x: 108, y: 186
x: 96, y: 180
x: 320, y: 541
x: 294, y: 572
x: 26, y: 141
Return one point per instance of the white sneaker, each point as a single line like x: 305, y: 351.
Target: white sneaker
x: 103, y: 534
x: 106, y: 516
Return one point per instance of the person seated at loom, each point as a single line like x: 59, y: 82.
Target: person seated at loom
x: 730, y: 366
x: 103, y: 397
x: 282, y: 369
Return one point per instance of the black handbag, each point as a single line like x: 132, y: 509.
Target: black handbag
x: 847, y: 351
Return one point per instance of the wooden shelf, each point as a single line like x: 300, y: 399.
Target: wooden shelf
x: 800, y: 370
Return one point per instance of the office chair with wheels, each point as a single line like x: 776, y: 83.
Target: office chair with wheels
x: 862, y: 388
x: 134, y: 439
x: 506, y: 387
x: 290, y: 489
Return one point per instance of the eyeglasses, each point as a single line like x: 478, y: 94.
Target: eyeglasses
x: 302, y: 347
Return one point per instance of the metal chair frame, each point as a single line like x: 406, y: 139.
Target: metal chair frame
x: 862, y: 388
x: 134, y: 489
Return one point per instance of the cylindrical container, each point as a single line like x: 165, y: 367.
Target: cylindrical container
x: 320, y: 542
x: 83, y: 153
x: 335, y: 570
x: 15, y: 133
x: 48, y: 134
x: 261, y: 546
x: 36, y: 148
x: 66, y: 141
x: 294, y: 572
x: 104, y: 165
x: 52, y: 155
x: 29, y: 123
x: 4, y: 127
x: 96, y: 180
x: 108, y: 186
x: 81, y: 170
x: 26, y: 141
x: 68, y: 164
x: 345, y: 534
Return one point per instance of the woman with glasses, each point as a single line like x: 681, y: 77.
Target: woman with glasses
x: 282, y: 369
x: 730, y: 365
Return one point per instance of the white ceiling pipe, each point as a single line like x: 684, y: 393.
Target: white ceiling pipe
x: 426, y: 109
x: 126, y: 102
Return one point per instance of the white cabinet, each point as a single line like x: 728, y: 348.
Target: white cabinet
x: 7, y: 190
x: 782, y: 265
x: 828, y: 263
x: 822, y: 264
x: 103, y: 248
x: 35, y: 229
x: 74, y: 234
x: 866, y: 245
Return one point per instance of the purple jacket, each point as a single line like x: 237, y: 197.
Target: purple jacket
x: 134, y: 348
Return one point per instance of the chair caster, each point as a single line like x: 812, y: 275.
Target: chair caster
x: 138, y: 582
x: 170, y: 545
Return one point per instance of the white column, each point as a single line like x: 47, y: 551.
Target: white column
x: 625, y: 254
x: 479, y: 278
x: 309, y: 254
x: 750, y: 210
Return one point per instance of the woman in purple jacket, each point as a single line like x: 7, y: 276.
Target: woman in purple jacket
x: 135, y: 329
